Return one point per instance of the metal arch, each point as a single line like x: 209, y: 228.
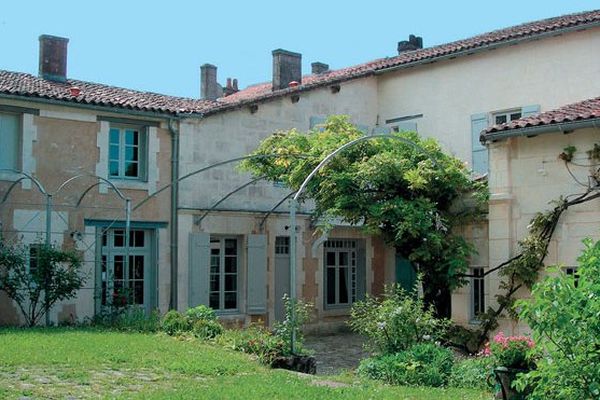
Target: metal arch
x: 212, y: 208
x: 25, y: 176
x: 210, y: 167
x: 294, y: 205
x: 262, y: 222
x: 15, y: 183
x: 103, y: 180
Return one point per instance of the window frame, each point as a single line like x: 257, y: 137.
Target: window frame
x: 238, y: 279
x: 352, y: 275
x: 478, y: 288
x: 505, y: 113
x: 142, y: 151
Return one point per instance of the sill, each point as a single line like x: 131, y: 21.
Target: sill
x: 9, y: 176
x: 135, y: 184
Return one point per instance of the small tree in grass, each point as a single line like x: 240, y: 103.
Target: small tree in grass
x: 38, y: 276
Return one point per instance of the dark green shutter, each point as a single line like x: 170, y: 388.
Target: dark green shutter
x: 257, y: 274
x: 199, y: 264
x: 480, y: 153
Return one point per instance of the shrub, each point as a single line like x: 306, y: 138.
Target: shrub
x: 174, y: 323
x: 206, y: 328
x: 201, y: 312
x: 291, y: 324
x: 563, y: 315
x: 476, y: 373
x: 510, y: 351
x: 423, y: 364
x: 254, y: 340
x: 131, y: 319
x: 396, y: 322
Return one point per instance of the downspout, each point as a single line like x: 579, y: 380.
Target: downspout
x: 174, y: 226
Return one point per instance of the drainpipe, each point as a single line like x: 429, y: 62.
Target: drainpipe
x: 174, y: 233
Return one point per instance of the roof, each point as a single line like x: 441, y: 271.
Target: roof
x: 26, y: 85
x: 20, y: 84
x: 582, y: 111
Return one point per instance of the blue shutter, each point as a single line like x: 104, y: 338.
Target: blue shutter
x: 381, y: 130
x: 480, y: 153
x: 9, y: 141
x: 528, y: 111
x: 257, y: 274
x: 315, y: 120
x: 199, y: 264
x: 363, y: 128
x: 407, y: 126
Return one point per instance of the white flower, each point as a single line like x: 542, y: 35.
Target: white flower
x: 426, y: 337
x: 381, y: 325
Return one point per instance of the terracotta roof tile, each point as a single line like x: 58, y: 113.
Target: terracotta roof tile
x: 21, y: 84
x: 92, y: 93
x: 580, y: 111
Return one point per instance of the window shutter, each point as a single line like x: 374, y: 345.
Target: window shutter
x: 361, y: 270
x: 381, y: 130
x: 199, y: 264
x: 528, y: 111
x: 9, y: 141
x: 407, y: 126
x: 315, y: 120
x: 480, y: 153
x: 363, y: 128
x: 257, y: 274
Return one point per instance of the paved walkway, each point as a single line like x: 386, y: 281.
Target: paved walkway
x: 336, y: 353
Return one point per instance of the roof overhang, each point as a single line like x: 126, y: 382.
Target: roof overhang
x: 562, y: 127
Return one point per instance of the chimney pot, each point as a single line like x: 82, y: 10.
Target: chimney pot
x: 53, y: 58
x: 235, y: 85
x: 319, y: 68
x: 287, y: 67
x: 209, y: 88
x: 293, y: 84
x: 413, y: 43
x: 75, y: 91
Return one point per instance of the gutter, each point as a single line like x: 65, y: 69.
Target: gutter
x: 174, y: 227
x: 565, y: 127
x: 492, y: 46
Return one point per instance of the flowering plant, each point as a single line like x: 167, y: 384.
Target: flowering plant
x: 510, y: 351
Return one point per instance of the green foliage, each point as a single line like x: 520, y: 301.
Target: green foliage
x: 175, y: 323
x: 297, y: 313
x: 254, y: 340
x: 568, y: 153
x: 424, y: 364
x: 201, y: 312
x: 57, y: 277
x: 565, y: 319
x: 412, y: 195
x: 473, y: 373
x: 206, y: 328
x: 395, y: 322
x: 511, y: 351
x: 130, y: 319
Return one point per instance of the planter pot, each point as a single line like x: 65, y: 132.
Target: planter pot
x: 506, y: 377
x: 304, y: 364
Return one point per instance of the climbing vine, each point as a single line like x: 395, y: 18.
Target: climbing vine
x: 523, y: 269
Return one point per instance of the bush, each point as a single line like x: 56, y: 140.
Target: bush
x: 130, y: 319
x: 201, y: 312
x: 291, y: 324
x: 563, y: 315
x: 396, y: 322
x: 206, y: 329
x: 511, y: 351
x: 423, y: 364
x: 175, y: 323
x: 254, y: 340
x: 473, y: 373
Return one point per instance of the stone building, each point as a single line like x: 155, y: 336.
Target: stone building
x: 235, y: 259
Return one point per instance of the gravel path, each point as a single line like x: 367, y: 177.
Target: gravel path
x: 336, y: 353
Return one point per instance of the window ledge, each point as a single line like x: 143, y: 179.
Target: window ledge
x: 9, y: 176
x: 130, y: 184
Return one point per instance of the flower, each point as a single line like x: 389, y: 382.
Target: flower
x: 510, y: 351
x: 381, y: 325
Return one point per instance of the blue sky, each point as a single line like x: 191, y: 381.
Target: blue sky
x: 158, y: 46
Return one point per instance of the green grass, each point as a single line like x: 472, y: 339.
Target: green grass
x: 58, y: 363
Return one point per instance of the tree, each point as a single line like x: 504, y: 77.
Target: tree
x: 413, y: 196
x: 38, y: 276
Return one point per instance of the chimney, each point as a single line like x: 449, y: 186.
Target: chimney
x: 287, y: 67
x: 319, y: 68
x: 53, y: 58
x: 413, y: 43
x: 209, y: 88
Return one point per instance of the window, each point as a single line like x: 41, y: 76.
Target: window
x: 10, y: 126
x: 34, y: 251
x: 477, y: 292
x: 224, y: 259
x: 572, y: 271
x: 127, y: 152
x: 504, y: 117
x: 121, y: 284
x: 340, y: 272
x: 282, y: 245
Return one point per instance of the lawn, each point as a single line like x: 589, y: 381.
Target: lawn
x: 62, y: 363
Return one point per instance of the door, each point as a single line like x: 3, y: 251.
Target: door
x: 282, y: 274
x: 406, y: 276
